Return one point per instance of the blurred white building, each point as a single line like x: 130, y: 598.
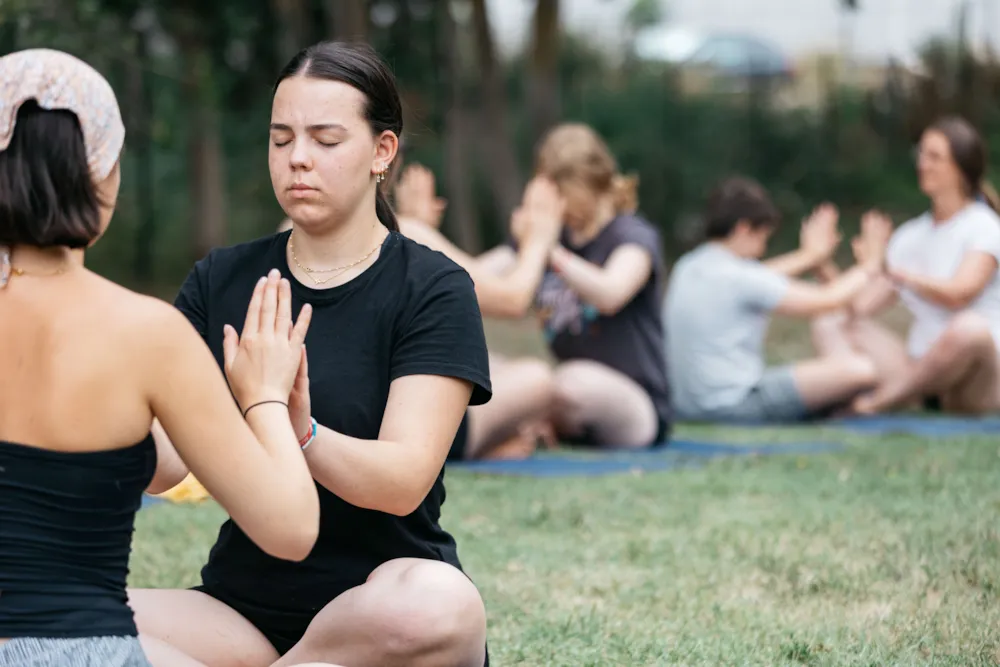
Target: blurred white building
x: 878, y: 30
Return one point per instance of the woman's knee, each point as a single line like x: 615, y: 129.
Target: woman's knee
x: 420, y: 606
x: 967, y: 330
x: 860, y: 369
x: 198, y: 626
x: 573, y: 382
x: 536, y: 378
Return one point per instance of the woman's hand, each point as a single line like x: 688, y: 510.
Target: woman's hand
x: 540, y: 216
x: 819, y: 235
x: 416, y: 199
x: 299, y: 403
x: 870, y: 246
x: 263, y: 362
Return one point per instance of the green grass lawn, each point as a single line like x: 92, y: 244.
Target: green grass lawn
x: 887, y: 553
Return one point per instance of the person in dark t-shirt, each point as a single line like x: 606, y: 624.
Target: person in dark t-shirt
x: 395, y: 355
x: 600, y: 300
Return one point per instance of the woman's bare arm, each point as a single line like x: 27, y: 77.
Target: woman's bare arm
x: 503, y: 296
x: 957, y: 292
x: 253, y: 467
x: 876, y: 297
x: 608, y: 288
x: 170, y: 468
x: 394, y: 473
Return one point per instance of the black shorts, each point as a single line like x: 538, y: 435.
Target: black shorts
x: 589, y: 439
x: 283, y: 629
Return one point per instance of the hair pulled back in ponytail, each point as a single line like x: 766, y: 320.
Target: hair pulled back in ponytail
x: 359, y: 66
x: 575, y: 152
x: 968, y: 150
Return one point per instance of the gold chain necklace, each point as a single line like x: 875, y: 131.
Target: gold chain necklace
x: 8, y: 270
x: 337, y: 271
x: 21, y: 272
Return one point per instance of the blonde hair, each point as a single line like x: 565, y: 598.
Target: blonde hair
x: 575, y: 152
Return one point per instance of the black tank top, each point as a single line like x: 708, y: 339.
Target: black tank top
x: 66, y: 522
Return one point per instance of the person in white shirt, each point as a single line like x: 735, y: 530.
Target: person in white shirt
x: 719, y: 304
x: 943, y: 266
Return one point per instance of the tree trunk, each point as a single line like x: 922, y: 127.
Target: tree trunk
x: 206, y: 182
x: 543, y: 75
x: 291, y: 29
x: 140, y: 121
x: 462, y: 221
x: 496, y: 141
x: 347, y: 19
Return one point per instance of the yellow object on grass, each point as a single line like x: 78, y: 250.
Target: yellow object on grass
x: 189, y: 490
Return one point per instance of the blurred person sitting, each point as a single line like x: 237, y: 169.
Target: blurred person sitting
x: 943, y: 266
x: 721, y: 297
x: 416, y: 201
x: 599, y: 301
x: 591, y: 268
x: 512, y: 423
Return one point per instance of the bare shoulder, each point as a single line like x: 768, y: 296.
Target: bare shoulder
x: 139, y: 316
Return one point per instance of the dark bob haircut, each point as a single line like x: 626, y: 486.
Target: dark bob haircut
x: 47, y: 194
x: 738, y: 199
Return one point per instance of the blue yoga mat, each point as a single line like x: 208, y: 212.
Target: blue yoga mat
x: 920, y: 425
x: 149, y: 501
x: 678, y: 454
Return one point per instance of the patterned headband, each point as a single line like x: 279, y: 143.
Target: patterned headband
x: 57, y: 80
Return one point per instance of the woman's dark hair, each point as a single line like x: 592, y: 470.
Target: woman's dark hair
x: 738, y: 199
x: 359, y: 66
x: 969, y: 153
x: 47, y: 194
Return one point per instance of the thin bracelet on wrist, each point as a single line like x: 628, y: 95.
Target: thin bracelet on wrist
x: 245, y: 412
x: 310, y: 436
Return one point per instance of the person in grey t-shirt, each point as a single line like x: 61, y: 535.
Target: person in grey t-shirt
x: 719, y: 304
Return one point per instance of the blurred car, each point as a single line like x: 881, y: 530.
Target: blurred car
x: 732, y: 55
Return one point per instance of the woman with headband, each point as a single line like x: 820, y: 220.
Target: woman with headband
x: 88, y: 365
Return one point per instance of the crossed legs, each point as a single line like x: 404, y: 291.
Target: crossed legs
x: 578, y: 398
x: 593, y: 400
x: 839, y: 373
x: 962, y: 367
x: 508, y: 426
x: 409, y: 612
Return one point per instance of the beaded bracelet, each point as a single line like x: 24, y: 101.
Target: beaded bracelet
x: 309, y: 437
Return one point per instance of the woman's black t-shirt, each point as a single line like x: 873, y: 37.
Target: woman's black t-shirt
x: 413, y: 312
